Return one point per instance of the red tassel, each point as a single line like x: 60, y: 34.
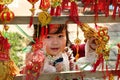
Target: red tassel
x: 117, y: 62
x: 58, y: 11
x: 100, y: 60
x: 115, y: 8
x: 106, y: 10
x: 119, y: 11
x: 96, y: 10
x: 65, y: 4
x: 52, y: 11
x: 31, y: 18
x: 74, y: 13
x: 29, y: 76
x: 86, y: 3
x: 31, y: 21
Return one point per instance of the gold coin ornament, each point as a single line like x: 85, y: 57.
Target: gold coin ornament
x: 44, y: 18
x: 101, y: 36
x: 6, y: 1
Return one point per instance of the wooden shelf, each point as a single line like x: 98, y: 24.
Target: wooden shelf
x: 71, y: 75
x: 63, y: 19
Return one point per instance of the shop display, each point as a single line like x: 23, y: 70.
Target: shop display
x: 34, y: 62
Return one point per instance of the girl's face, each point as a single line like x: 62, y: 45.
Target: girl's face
x: 55, y: 43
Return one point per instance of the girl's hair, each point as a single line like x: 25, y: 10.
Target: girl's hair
x: 38, y: 31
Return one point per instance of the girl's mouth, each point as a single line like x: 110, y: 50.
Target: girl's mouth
x: 54, y: 49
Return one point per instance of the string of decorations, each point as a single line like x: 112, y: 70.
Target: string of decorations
x: 56, y: 7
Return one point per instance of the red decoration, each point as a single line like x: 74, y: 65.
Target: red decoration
x: 34, y: 65
x: 98, y: 62
x: 118, y: 61
x: 56, y: 8
x: 6, y: 15
x: 97, y: 6
x: 1, y: 7
x: 74, y: 12
x: 4, y: 48
x: 38, y: 45
x: 32, y: 10
x: 65, y: 4
x: 44, y: 5
x: 32, y: 1
x: 116, y: 4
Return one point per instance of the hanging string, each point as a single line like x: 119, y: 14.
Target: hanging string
x: 77, y: 42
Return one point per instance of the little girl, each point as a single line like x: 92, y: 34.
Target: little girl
x: 57, y: 57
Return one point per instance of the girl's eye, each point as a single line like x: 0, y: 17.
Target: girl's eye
x: 60, y: 36
x: 48, y: 37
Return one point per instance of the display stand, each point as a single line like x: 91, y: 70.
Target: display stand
x: 63, y: 19
x: 70, y: 74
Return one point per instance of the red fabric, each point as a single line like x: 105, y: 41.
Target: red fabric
x: 4, y: 48
x: 58, y: 11
x: 74, y: 13
x: 52, y: 11
x: 34, y: 65
x: 81, y: 50
x: 65, y: 4
x: 98, y: 62
x: 1, y: 7
x: 117, y: 62
x: 44, y: 4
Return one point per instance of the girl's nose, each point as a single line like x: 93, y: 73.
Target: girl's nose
x: 55, y: 40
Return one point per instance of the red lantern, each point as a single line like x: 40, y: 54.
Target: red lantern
x: 32, y: 1
x: 6, y: 15
x: 1, y: 7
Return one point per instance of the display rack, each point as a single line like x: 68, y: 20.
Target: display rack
x: 63, y: 19
x: 71, y: 75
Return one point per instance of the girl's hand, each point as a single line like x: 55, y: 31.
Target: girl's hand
x: 59, y: 67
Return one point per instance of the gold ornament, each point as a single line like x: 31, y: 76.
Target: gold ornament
x: 6, y: 1
x: 44, y: 18
x: 101, y: 38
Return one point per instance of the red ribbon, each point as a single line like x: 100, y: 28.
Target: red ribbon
x: 52, y: 11
x: 114, y: 2
x: 74, y: 13
x: 117, y: 62
x: 99, y: 60
x: 58, y: 11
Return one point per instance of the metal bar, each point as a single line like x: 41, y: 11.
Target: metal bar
x: 63, y: 19
x: 71, y: 75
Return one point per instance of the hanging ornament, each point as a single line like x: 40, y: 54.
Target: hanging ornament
x: 34, y: 65
x: 6, y: 16
x: 97, y: 6
x: 101, y: 39
x: 55, y: 7
x: 6, y: 1
x: 8, y: 69
x: 77, y: 42
x: 32, y: 11
x: 74, y: 12
x: 44, y: 17
x: 65, y: 4
x: 44, y: 5
x: 116, y: 5
x: 1, y: 7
